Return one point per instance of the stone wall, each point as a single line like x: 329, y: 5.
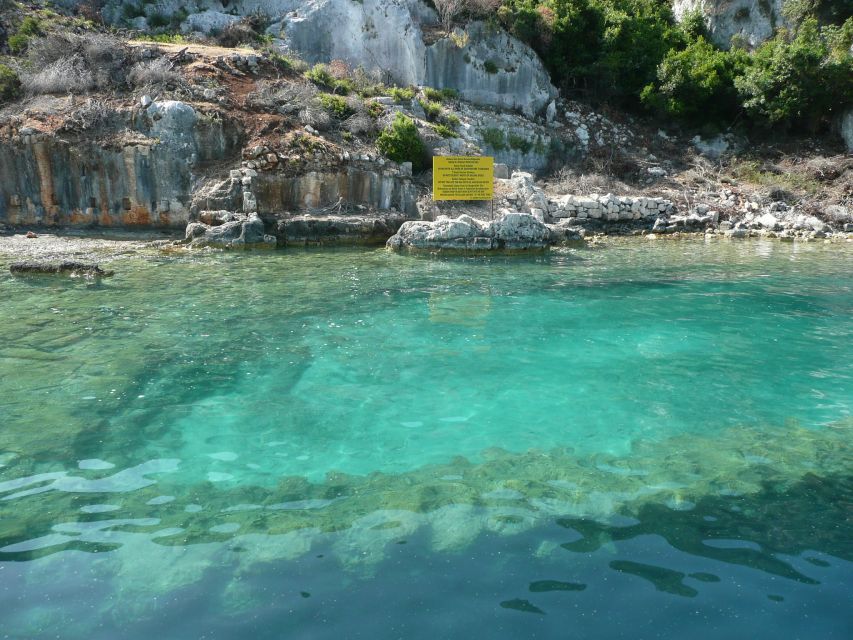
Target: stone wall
x: 609, y: 207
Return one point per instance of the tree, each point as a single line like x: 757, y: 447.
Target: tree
x: 448, y: 11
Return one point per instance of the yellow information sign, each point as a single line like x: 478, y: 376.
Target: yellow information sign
x: 463, y: 178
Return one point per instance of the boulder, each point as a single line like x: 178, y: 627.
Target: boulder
x: 239, y: 232
x: 513, y: 230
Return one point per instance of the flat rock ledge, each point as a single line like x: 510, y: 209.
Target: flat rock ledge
x: 68, y: 267
x: 513, y: 231
x: 228, y: 230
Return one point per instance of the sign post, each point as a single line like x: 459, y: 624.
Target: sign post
x: 463, y: 178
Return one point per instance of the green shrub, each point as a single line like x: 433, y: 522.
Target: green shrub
x: 697, y: 84
x: 494, y: 138
x: 30, y: 26
x: 336, y: 105
x: 431, y: 109
x: 375, y: 109
x: 20, y: 40
x: 433, y: 94
x: 130, y: 11
x: 158, y: 21
x: 519, y: 143
x: 451, y: 120
x: 401, y: 142
x: 490, y: 67
x: 449, y: 94
x: 799, y: 81
x: 18, y: 43
x: 319, y: 74
x: 444, y: 131
x: 10, y: 86
x: 402, y: 94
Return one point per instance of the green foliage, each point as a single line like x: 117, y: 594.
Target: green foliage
x: 607, y: 48
x: 697, y: 83
x: 10, y: 86
x: 449, y: 94
x: 451, y: 120
x: 19, y: 41
x: 129, y: 11
x: 158, y: 21
x: 431, y: 109
x: 320, y: 75
x: 494, y: 137
x: 519, y: 143
x: 401, y: 142
x: 30, y: 26
x: 490, y: 67
x: 336, y: 105
x: 375, y: 109
x: 166, y: 38
x: 433, y: 94
x: 444, y: 131
x: 800, y: 80
x: 402, y: 94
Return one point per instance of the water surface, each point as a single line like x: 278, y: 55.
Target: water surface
x: 649, y: 439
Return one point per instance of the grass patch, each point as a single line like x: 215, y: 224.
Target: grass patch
x: 402, y: 94
x: 751, y: 171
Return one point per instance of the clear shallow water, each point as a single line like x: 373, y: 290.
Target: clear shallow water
x: 648, y: 436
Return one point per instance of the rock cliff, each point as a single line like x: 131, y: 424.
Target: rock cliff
x: 398, y: 38
x: 753, y: 20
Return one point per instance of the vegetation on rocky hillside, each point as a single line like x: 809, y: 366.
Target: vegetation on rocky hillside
x: 632, y: 52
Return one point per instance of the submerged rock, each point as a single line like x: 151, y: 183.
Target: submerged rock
x: 513, y: 230
x: 69, y: 267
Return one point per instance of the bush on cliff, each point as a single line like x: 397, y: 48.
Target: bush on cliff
x: 401, y: 142
x: 800, y: 80
x: 10, y: 86
x: 697, y: 84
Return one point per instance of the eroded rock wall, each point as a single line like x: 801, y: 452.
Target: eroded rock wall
x: 400, y: 39
x: 142, y: 176
x: 276, y: 193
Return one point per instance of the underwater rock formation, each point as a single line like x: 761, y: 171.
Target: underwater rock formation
x: 69, y: 267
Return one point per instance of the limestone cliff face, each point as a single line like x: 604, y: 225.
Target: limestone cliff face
x: 143, y: 178
x: 753, y: 20
x: 398, y: 38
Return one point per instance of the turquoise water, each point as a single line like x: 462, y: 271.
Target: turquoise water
x: 355, y: 443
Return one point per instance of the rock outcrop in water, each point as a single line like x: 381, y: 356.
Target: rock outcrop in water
x: 229, y: 231
x: 512, y: 231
